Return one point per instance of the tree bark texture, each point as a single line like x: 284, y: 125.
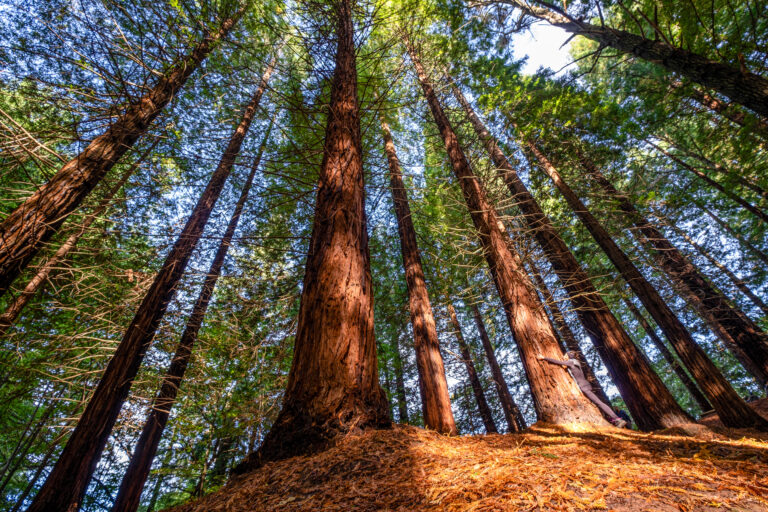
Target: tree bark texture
x: 556, y: 397
x: 512, y: 414
x: 649, y: 401
x: 732, y: 410
x: 733, y: 326
x: 333, y: 385
x: 135, y: 477
x: 477, y: 388
x: 30, y: 225
x: 435, y: 398
x: 68, y: 481
x: 743, y: 87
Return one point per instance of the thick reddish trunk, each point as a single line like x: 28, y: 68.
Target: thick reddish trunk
x: 556, y: 396
x: 696, y: 394
x: 477, y: 387
x: 512, y: 414
x: 731, y: 324
x: 333, y: 386
x: 569, y: 338
x: 733, y: 411
x: 132, y: 485
x: 29, y: 226
x: 68, y: 481
x: 650, y: 402
x: 435, y: 399
x: 14, y: 309
x: 743, y: 87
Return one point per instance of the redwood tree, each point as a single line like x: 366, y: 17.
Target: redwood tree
x: 556, y: 397
x: 66, y: 484
x: 30, y: 225
x: 333, y: 384
x: 435, y: 399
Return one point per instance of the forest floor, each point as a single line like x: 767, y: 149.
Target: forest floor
x: 547, y: 467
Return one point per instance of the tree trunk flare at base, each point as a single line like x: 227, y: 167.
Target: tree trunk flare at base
x: 477, y: 388
x: 650, y: 402
x: 435, y: 398
x: 556, y: 397
x: 135, y: 477
x: 732, y: 325
x: 732, y: 410
x: 17, y: 305
x: 569, y: 338
x: 333, y: 385
x: 30, y: 225
x: 66, y: 484
x: 743, y: 87
x: 512, y: 414
x: 694, y: 391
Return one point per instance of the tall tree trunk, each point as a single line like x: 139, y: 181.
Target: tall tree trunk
x: 65, y: 486
x: 333, y: 384
x: 712, y: 183
x: 759, y: 126
x: 649, y: 401
x: 435, y: 399
x: 132, y: 485
x: 17, y: 305
x: 556, y: 397
x: 30, y: 225
x: 750, y: 247
x: 743, y: 87
x: 696, y: 394
x: 569, y: 338
x: 733, y: 326
x: 477, y: 387
x: 738, y: 283
x: 512, y: 414
x: 733, y: 411
x: 402, y: 402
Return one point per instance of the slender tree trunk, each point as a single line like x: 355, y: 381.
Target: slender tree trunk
x: 388, y: 387
x: 132, y: 485
x: 556, y: 397
x: 696, y: 394
x: 743, y: 87
x: 333, y: 384
x: 41, y: 466
x: 650, y: 402
x: 68, y: 481
x: 24, y: 232
x: 733, y: 411
x: 435, y: 399
x: 757, y: 253
x: 738, y: 283
x: 733, y: 326
x: 14, y: 309
x: 512, y: 414
x: 402, y: 402
x: 712, y: 183
x: 759, y: 126
x: 477, y: 387
x: 569, y: 338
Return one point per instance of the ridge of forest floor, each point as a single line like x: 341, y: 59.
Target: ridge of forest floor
x: 547, y: 467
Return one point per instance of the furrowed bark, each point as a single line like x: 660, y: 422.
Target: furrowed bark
x: 333, y: 385
x: 694, y: 391
x: 65, y: 486
x: 649, y: 401
x: 512, y: 414
x: 135, y: 477
x: 477, y: 387
x: 14, y: 309
x: 435, y: 399
x: 556, y: 397
x: 743, y: 87
x: 731, y: 324
x: 24, y: 232
x: 732, y: 410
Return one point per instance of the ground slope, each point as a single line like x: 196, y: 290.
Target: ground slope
x: 545, y: 468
